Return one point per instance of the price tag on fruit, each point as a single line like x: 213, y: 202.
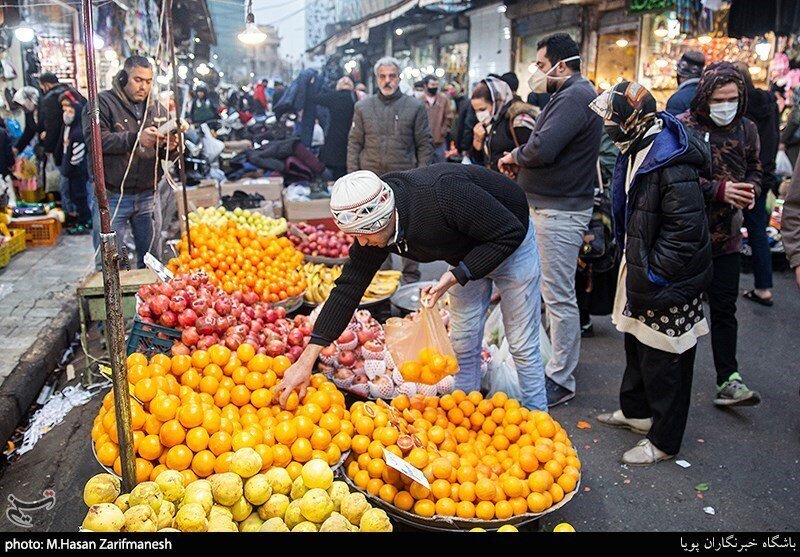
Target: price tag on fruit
x: 157, y: 267
x: 394, y: 461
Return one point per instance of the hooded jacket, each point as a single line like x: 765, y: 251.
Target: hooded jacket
x: 389, y: 134
x: 119, y: 126
x: 734, y: 156
x: 73, y: 161
x: 662, y: 220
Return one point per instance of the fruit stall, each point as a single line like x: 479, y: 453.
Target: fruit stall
x: 379, y: 436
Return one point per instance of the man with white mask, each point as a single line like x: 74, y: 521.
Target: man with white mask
x: 557, y: 169
x: 717, y: 115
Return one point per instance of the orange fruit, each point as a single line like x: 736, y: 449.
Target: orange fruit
x: 138, y: 373
x: 245, y: 352
x: 374, y: 486
x: 108, y: 452
x: 485, y: 489
x: 203, y: 463
x: 465, y: 509
x: 150, y: 448
x: 503, y: 510
x: 146, y: 390
x: 219, y: 442
x: 163, y: 407
x: 321, y: 439
x: 172, y: 433
x: 540, y: 481
x: 179, y: 458
x: 554, y: 468
x: 219, y: 354
x: 281, y: 455
x: 197, y: 440
x: 404, y: 501
x: 513, y: 487
x: 191, y: 416
x: 301, y: 450
x: 143, y: 470
x: 242, y: 439
x: 259, y: 363
x: 265, y: 452
x: 223, y: 463
x: 418, y: 458
x: 361, y: 479
x: 440, y: 489
x: 418, y: 491
x: 567, y: 482
x: 425, y: 508
x: 442, y: 468
x: 200, y: 359
x: 286, y: 433
x: 136, y: 359
x: 222, y: 397
x: 388, y: 493
x: 294, y: 469
x: 342, y: 440
x: 280, y: 364
x: 537, y: 502
x: 411, y: 370
x: 254, y: 380
x: 240, y: 395
x: 304, y: 426
x: 446, y: 507
x: 556, y: 492
x: 484, y: 510
x: 360, y: 444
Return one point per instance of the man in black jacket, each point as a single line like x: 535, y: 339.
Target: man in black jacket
x: 340, y: 104
x: 131, y: 143
x: 469, y: 216
x: 50, y: 130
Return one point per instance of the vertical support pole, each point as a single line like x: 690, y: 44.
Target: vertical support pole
x: 181, y: 145
x: 111, y: 282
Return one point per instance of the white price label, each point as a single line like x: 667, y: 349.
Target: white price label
x: 394, y: 461
x: 157, y: 267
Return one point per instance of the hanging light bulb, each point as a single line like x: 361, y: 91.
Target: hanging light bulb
x: 24, y: 34
x: 622, y: 43
x: 183, y: 71
x: 251, y: 35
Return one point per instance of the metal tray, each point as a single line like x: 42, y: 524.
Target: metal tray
x: 406, y: 297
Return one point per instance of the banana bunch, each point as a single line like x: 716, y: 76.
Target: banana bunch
x: 383, y: 284
x: 321, y: 278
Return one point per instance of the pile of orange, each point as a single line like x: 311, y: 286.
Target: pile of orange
x: 429, y: 368
x: 484, y: 458
x: 190, y: 413
x: 240, y: 259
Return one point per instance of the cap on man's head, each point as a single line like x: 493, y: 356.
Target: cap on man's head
x: 362, y: 203
x: 691, y: 64
x: 48, y: 77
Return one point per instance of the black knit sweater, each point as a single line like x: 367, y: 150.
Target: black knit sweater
x: 467, y: 215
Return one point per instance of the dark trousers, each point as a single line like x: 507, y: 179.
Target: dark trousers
x: 658, y: 385
x: 756, y: 220
x: 722, y: 296
x: 79, y: 196
x: 337, y: 171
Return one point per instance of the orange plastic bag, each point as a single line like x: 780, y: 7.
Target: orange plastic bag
x: 420, y: 347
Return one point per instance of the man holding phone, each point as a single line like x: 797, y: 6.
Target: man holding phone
x: 131, y: 145
x: 717, y: 115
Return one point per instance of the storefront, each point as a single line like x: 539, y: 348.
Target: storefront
x: 489, y: 42
x: 616, y: 48
x: 665, y: 37
x: 529, y: 28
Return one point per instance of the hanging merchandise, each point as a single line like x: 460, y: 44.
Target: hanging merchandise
x: 142, y: 28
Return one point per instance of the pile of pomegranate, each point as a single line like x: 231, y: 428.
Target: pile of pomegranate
x: 321, y: 241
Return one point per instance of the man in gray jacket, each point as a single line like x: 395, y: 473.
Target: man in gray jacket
x: 557, y: 168
x: 131, y: 143
x: 390, y: 132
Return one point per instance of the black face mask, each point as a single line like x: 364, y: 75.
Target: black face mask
x: 433, y: 90
x: 616, y: 134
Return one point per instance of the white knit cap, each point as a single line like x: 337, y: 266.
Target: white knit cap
x: 362, y: 203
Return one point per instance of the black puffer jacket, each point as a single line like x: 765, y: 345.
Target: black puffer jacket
x: 662, y: 220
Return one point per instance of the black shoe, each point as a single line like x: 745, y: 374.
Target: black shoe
x: 556, y: 394
x: 587, y: 330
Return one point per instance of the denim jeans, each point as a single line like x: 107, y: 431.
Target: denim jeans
x: 560, y: 237
x: 438, y: 154
x: 518, y: 279
x: 66, y: 199
x: 756, y: 220
x: 137, y: 211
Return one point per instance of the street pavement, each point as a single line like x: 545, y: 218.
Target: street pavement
x: 748, y: 458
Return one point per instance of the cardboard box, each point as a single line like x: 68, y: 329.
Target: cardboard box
x: 203, y: 195
x: 271, y: 188
x: 311, y: 210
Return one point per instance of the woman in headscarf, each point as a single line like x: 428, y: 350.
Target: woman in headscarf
x: 28, y: 99
x: 661, y: 226
x: 504, y: 122
x: 790, y: 135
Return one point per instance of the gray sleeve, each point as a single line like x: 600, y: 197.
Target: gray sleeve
x: 355, y: 141
x: 566, y: 119
x: 422, y: 137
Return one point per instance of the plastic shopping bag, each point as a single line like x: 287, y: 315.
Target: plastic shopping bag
x: 502, y: 374
x: 420, y: 347
x: 783, y: 166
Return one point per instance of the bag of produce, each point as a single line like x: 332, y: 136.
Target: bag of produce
x: 421, y: 348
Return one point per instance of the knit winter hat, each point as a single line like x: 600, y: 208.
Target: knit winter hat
x: 362, y: 203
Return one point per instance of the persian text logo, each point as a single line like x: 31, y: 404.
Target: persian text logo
x: 17, y: 511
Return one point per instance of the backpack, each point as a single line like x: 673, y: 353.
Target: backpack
x: 517, y: 108
x: 599, y: 250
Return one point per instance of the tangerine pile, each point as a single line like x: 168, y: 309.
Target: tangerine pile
x: 239, y: 259
x: 190, y: 413
x: 484, y: 458
x: 429, y: 368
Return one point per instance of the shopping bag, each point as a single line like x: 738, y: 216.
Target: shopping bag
x: 212, y: 147
x: 783, y: 166
x: 494, y: 334
x: 420, y: 347
x: 502, y: 373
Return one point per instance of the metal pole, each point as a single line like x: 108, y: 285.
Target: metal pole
x: 181, y: 146
x: 111, y: 284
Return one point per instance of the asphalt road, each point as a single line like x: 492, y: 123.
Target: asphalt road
x: 749, y: 458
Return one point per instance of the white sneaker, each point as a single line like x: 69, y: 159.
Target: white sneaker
x: 618, y: 419
x: 644, y: 454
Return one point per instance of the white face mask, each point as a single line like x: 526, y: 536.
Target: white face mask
x: 68, y: 118
x: 538, y: 81
x: 723, y: 113
x: 484, y: 116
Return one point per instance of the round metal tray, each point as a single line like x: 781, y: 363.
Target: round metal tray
x: 329, y: 261
x: 407, y: 296
x: 291, y: 304
x: 454, y: 524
